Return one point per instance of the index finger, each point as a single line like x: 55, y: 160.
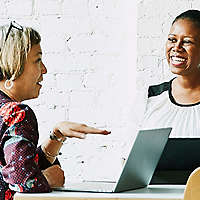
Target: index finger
x: 91, y: 130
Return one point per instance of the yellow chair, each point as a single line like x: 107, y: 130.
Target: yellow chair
x: 192, y: 190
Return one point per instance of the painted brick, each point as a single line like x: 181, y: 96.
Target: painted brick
x: 89, y: 51
x: 70, y: 81
x: 19, y: 8
x: 72, y: 8
x: 49, y: 7
x: 154, y: 21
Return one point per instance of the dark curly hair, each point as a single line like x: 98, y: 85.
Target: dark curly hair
x: 192, y: 15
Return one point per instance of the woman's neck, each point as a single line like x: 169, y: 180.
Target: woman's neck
x: 186, y: 82
x: 186, y: 91
x: 9, y: 93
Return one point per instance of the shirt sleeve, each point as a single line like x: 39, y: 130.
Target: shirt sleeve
x: 21, y: 170
x: 44, y: 163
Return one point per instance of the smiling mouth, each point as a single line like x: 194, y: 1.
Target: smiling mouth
x: 177, y: 61
x: 39, y: 83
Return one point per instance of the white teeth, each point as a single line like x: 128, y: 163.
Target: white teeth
x: 177, y: 60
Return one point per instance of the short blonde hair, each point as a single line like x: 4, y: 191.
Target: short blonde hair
x: 14, y: 49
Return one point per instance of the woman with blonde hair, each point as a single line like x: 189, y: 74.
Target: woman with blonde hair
x: 24, y: 167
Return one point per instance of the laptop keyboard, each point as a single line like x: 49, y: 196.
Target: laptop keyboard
x: 89, y: 186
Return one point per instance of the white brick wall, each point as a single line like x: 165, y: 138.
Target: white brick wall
x: 89, y: 50
x: 154, y: 21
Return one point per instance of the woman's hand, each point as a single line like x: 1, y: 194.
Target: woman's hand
x: 71, y: 129
x: 55, y: 176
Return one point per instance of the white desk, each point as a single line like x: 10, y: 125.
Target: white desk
x: 153, y: 192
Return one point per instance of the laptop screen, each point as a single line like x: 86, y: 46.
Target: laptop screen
x: 180, y: 154
x: 179, y: 158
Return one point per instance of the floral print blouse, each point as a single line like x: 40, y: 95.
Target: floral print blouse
x: 21, y: 161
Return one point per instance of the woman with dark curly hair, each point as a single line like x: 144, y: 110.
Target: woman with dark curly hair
x: 176, y: 103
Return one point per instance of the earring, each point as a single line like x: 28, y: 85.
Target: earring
x: 8, y: 84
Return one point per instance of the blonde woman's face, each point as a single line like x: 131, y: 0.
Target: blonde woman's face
x: 28, y: 85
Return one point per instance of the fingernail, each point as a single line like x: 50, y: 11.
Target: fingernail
x: 83, y: 136
x: 107, y: 132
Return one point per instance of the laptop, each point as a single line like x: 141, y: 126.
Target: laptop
x: 138, y: 168
x: 179, y: 158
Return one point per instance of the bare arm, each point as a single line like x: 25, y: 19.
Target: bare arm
x: 61, y: 131
x: 51, y: 147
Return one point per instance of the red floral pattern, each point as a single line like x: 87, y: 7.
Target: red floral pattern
x: 12, y: 113
x: 9, y: 195
x: 36, y: 158
x: 24, y: 161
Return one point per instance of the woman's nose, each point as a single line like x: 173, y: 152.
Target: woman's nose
x: 178, y: 46
x: 44, y: 69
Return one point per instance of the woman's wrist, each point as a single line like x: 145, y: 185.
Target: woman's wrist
x: 57, y: 137
x: 51, y: 147
x: 48, y: 154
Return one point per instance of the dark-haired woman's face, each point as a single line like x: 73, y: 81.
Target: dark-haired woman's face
x: 183, y: 47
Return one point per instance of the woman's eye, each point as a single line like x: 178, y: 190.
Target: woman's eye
x: 187, y: 41
x: 38, y: 60
x: 172, y: 40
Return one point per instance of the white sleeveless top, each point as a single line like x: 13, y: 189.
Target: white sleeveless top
x: 161, y: 110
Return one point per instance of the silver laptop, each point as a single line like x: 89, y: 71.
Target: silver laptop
x: 138, y: 169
